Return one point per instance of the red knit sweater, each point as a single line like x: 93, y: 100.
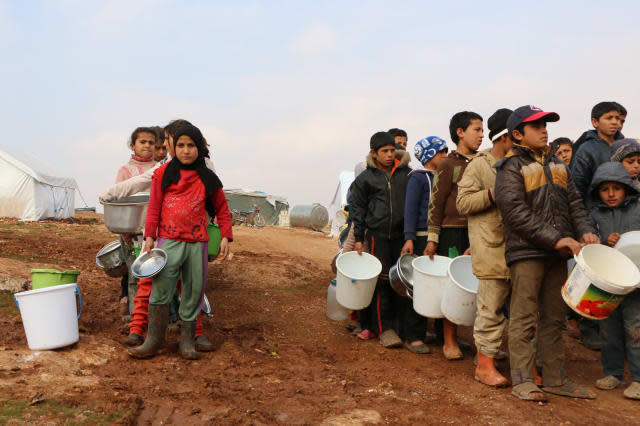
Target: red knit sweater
x: 179, y: 212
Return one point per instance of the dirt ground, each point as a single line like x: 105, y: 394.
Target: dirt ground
x: 279, y: 360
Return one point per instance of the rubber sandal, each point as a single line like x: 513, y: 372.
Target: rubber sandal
x: 525, y: 390
x: 570, y: 389
x: 417, y: 349
x: 608, y: 383
x: 633, y: 391
x: 366, y: 335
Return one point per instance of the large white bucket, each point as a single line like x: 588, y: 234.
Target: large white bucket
x: 459, y: 299
x: 629, y: 245
x: 429, y: 279
x: 356, y: 279
x: 599, y: 281
x: 50, y: 316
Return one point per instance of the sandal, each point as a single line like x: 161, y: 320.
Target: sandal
x: 570, y: 389
x: 417, y: 349
x: 366, y: 335
x: 608, y: 383
x: 528, y: 391
x: 633, y: 391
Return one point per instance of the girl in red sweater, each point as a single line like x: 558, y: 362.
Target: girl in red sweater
x: 183, y: 192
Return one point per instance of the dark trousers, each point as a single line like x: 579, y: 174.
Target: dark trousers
x: 380, y: 315
x: 621, y: 334
x: 410, y: 325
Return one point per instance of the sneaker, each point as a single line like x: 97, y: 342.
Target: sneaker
x: 366, y: 335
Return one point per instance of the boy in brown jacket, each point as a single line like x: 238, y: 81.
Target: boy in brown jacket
x: 542, y: 213
x: 476, y: 200
x: 447, y: 229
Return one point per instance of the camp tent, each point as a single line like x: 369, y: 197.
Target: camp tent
x: 31, y: 190
x: 339, y: 199
x: 270, y: 206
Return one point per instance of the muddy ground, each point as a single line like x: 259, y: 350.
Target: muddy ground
x: 279, y: 360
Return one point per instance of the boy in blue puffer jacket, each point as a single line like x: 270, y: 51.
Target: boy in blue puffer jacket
x: 616, y: 211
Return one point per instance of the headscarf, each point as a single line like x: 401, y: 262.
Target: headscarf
x: 207, y: 176
x: 427, y: 148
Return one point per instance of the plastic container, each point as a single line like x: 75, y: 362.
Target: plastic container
x: 599, y: 281
x: 41, y: 278
x: 50, y: 316
x: 314, y: 216
x: 459, y: 299
x: 629, y: 245
x: 335, y: 311
x: 214, y: 239
x: 429, y: 280
x: 356, y: 279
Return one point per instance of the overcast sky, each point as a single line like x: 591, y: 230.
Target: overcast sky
x: 289, y: 92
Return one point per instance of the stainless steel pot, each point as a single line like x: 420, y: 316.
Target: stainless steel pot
x: 401, y: 276
x: 111, y: 259
x: 396, y: 283
x: 126, y: 215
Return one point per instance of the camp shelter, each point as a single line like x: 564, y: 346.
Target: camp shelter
x: 31, y: 190
x: 339, y: 199
x: 270, y: 206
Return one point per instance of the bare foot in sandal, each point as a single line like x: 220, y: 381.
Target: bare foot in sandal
x: 528, y: 391
x: 570, y: 389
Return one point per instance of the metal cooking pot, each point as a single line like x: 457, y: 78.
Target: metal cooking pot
x: 396, y: 283
x: 401, y: 275
x: 126, y: 215
x: 111, y: 259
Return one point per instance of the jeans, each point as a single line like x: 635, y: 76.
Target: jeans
x: 621, y: 335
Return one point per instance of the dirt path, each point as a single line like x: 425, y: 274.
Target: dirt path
x: 279, y: 360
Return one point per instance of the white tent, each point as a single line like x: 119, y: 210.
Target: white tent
x: 339, y: 199
x: 31, y: 190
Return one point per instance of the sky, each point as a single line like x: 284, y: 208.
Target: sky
x: 288, y: 93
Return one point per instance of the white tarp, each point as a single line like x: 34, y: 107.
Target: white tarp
x: 339, y: 199
x: 31, y: 190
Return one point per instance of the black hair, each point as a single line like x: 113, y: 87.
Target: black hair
x: 602, y: 108
x: 461, y: 120
x: 136, y: 133
x: 560, y: 141
x: 520, y: 129
x: 397, y: 132
x: 159, y: 131
x: 175, y: 124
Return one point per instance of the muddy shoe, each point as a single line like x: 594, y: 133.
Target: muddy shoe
x: 421, y: 348
x: 608, y: 383
x: 389, y: 339
x: 133, y: 340
x: 158, y: 319
x: 203, y: 344
x: 633, y: 391
x: 570, y: 389
x: 187, y: 340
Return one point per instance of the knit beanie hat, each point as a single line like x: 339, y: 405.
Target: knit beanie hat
x: 623, y: 148
x: 427, y: 148
x: 380, y: 139
x: 497, y: 123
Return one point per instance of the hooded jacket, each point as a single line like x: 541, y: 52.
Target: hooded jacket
x: 539, y: 204
x: 486, y: 231
x: 378, y: 199
x: 620, y: 219
x: 586, y: 159
x: 417, y: 202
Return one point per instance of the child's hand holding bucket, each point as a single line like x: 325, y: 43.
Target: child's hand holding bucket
x: 568, y: 245
x: 590, y: 238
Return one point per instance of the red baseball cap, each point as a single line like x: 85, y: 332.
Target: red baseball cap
x: 527, y: 114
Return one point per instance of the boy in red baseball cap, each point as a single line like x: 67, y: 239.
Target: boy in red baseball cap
x: 542, y: 213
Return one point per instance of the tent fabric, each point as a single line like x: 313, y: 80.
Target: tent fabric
x: 339, y: 199
x: 270, y: 206
x: 31, y: 190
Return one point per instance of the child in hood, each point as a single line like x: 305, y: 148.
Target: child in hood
x: 627, y: 152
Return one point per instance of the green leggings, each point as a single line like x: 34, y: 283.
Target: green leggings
x: 190, y: 259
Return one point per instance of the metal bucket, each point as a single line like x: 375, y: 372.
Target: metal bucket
x: 126, y: 215
x: 314, y: 216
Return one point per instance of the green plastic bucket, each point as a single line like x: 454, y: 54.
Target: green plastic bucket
x: 41, y: 278
x: 137, y: 251
x: 214, y: 239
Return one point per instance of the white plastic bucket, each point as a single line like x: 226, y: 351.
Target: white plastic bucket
x: 599, y: 281
x: 629, y: 245
x: 459, y: 299
x: 356, y: 279
x: 335, y: 311
x: 429, y: 279
x: 50, y: 316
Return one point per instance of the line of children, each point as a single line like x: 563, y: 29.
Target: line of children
x: 476, y: 200
x: 543, y: 214
x: 616, y: 210
x: 447, y: 229
x: 183, y: 192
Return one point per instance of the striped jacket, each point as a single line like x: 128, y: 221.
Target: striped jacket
x: 539, y: 204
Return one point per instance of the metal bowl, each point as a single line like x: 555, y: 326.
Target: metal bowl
x: 396, y: 283
x: 126, y: 215
x: 148, y: 265
x: 111, y: 259
x: 405, y: 270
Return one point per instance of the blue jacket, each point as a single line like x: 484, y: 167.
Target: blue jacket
x: 416, y: 206
x: 621, y: 219
x: 589, y: 155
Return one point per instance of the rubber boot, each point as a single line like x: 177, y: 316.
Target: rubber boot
x: 187, y: 340
x: 158, y: 319
x: 203, y: 344
x: 537, y: 378
x: 487, y: 374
